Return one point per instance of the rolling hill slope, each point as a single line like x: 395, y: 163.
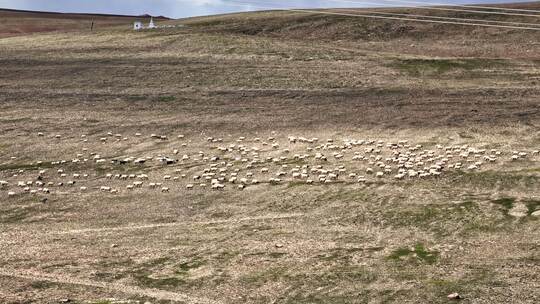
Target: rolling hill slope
x: 389, y: 35
x: 16, y: 22
x: 421, y: 144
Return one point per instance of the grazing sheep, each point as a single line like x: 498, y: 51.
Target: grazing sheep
x: 139, y: 161
x: 218, y: 186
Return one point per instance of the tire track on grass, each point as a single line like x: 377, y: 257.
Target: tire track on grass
x: 126, y: 289
x: 164, y: 225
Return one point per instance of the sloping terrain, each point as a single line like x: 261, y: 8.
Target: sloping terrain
x: 17, y: 23
x: 430, y: 39
x: 271, y: 158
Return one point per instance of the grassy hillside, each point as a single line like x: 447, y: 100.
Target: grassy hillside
x: 17, y: 23
x: 223, y: 95
x: 386, y: 35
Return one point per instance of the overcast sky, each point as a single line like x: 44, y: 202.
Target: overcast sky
x: 187, y: 8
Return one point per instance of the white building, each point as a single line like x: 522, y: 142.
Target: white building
x: 137, y: 25
x: 151, y: 25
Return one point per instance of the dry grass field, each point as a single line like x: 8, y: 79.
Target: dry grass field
x: 17, y: 23
x: 413, y: 173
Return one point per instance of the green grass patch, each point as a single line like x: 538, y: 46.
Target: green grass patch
x: 42, y: 285
x: 142, y: 274
x: 343, y: 195
x: 472, y: 285
x: 337, y: 274
x: 166, y: 98
x: 492, y: 179
x: 506, y: 203
x: 185, y: 267
x: 134, y: 98
x: 261, y: 277
x: 418, y: 254
x: 435, y: 67
x: 31, y: 167
x: 345, y: 255
x: 317, y: 298
x: 277, y: 255
x: 145, y: 280
x: 18, y: 214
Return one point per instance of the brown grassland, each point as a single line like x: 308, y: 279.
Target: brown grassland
x: 271, y: 74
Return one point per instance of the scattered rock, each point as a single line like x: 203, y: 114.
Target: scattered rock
x: 536, y: 213
x: 64, y: 301
x: 114, y: 245
x: 454, y: 296
x: 279, y: 245
x: 519, y: 210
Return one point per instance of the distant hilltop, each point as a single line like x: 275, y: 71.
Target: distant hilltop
x: 22, y: 22
x: 7, y: 10
x: 155, y: 17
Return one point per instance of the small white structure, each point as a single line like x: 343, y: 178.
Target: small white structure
x: 151, y: 25
x: 137, y: 25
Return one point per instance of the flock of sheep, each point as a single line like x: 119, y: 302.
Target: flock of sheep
x: 240, y: 163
